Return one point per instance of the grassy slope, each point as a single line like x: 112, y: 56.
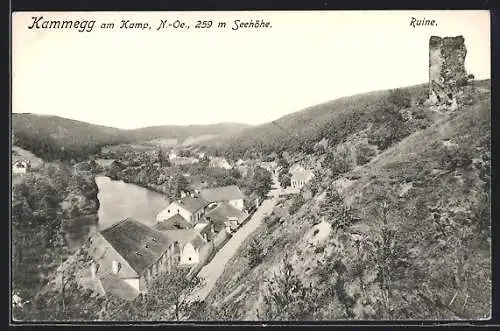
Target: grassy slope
x: 439, y: 268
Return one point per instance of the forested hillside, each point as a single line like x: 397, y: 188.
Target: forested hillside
x: 57, y: 138
x: 46, y: 202
x: 304, y: 130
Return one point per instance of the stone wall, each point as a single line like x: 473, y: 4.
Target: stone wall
x: 447, y: 74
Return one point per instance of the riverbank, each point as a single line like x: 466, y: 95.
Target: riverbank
x: 119, y: 199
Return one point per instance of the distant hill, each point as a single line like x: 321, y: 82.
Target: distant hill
x: 333, y: 120
x: 54, y: 137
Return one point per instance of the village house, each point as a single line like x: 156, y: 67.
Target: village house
x: 128, y: 255
x: 220, y: 162
x: 175, y: 222
x: 190, y: 244
x: 231, y: 194
x: 21, y: 167
x: 191, y: 208
x: 226, y: 215
x: 300, y: 176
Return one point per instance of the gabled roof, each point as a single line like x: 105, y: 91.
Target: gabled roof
x: 137, y: 243
x: 200, y: 226
x: 224, y: 193
x: 103, y: 253
x: 192, y: 204
x: 185, y: 236
x: 173, y: 223
x: 221, y: 214
x: 115, y: 286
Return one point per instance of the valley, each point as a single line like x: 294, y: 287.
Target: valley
x: 399, y: 199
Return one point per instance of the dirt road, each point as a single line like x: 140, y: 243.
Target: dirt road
x: 213, y: 270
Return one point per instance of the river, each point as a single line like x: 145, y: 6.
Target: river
x: 119, y: 200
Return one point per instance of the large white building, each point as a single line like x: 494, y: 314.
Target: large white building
x: 300, y: 176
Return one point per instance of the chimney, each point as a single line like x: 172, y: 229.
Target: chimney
x: 93, y: 269
x: 115, y: 267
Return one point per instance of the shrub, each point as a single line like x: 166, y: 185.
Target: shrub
x: 400, y: 98
x: 298, y: 201
x: 454, y: 158
x: 364, y: 153
x: 341, y: 160
x: 421, y: 95
x: 255, y: 253
x: 286, y: 297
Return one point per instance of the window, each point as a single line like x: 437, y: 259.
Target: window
x: 189, y: 259
x: 168, y: 211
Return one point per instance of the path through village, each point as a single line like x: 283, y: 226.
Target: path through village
x: 213, y: 270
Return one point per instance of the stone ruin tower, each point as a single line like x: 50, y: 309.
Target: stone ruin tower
x: 447, y: 74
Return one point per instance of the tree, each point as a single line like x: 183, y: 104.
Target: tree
x: 180, y: 184
x: 203, y: 311
x: 163, y: 158
x: 168, y: 298
x: 114, y: 169
x: 287, y: 297
x: 283, y: 163
x: 341, y: 160
x: 284, y: 178
x: 255, y: 253
x: 261, y: 182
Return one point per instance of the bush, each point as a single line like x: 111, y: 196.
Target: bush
x: 341, y: 160
x: 400, y: 98
x: 298, y: 202
x: 455, y: 158
x: 285, y: 179
x: 255, y: 253
x: 287, y: 297
x: 364, y: 153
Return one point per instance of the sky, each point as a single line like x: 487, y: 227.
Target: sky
x: 136, y: 78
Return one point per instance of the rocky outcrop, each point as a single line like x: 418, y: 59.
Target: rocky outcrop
x: 80, y: 207
x: 447, y: 74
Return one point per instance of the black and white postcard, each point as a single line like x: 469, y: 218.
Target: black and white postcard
x: 251, y: 166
